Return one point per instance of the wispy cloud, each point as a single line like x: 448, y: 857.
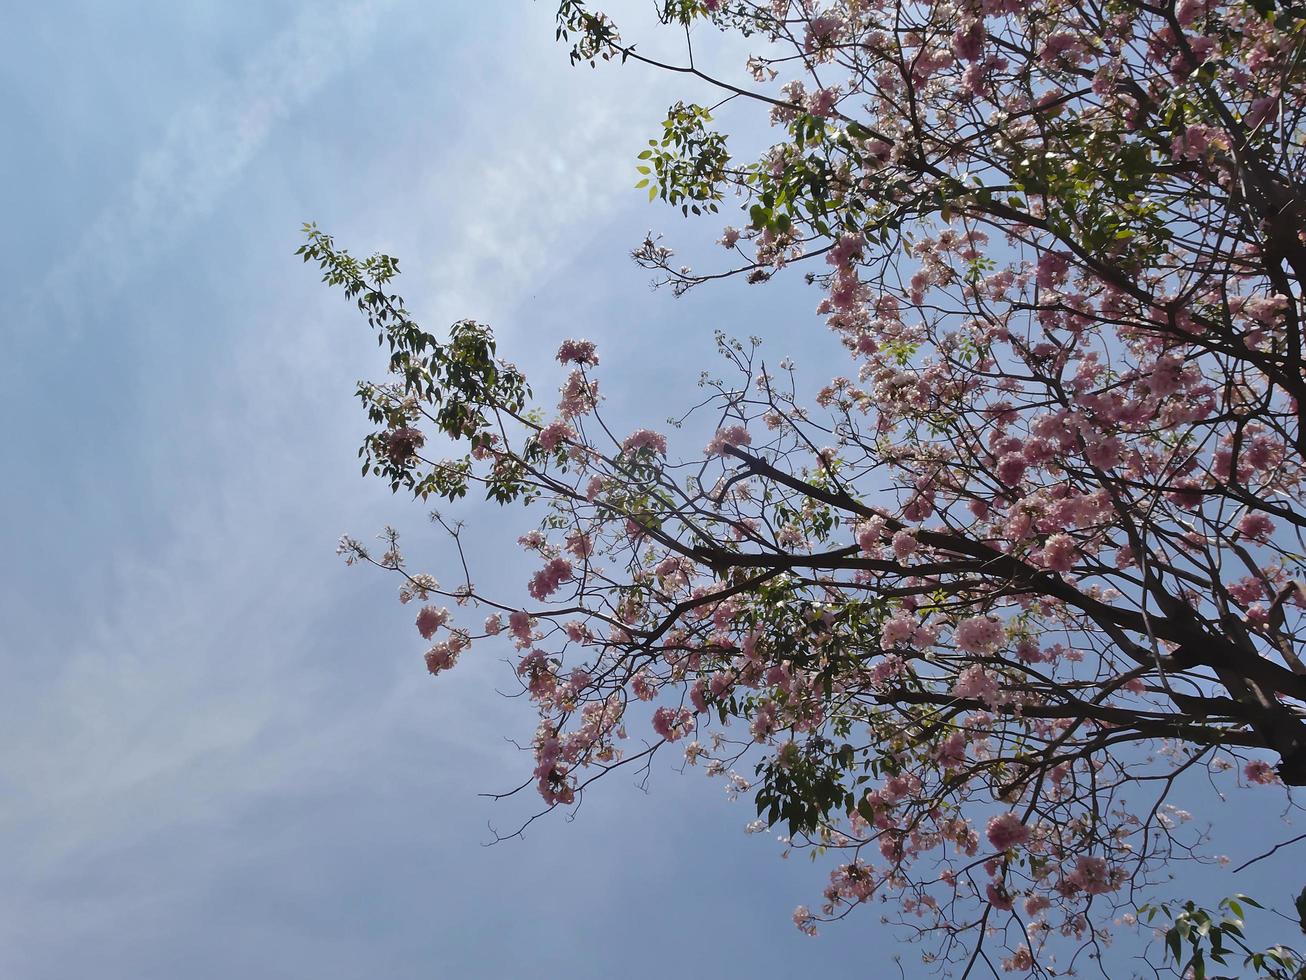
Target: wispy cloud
x: 208, y: 145
x: 201, y: 682
x: 533, y: 186
x: 183, y: 662
x: 227, y: 662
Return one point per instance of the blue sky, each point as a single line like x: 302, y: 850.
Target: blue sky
x: 219, y: 752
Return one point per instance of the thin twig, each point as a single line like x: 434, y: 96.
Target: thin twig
x: 1269, y: 852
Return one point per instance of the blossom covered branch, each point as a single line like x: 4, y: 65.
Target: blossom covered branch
x: 968, y: 618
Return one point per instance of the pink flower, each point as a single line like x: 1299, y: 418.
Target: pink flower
x: 430, y: 619
x: 976, y: 682
x: 644, y: 686
x: 869, y: 532
x: 1263, y: 453
x: 577, y: 352
x: 998, y: 896
x: 804, y: 921
x: 1092, y: 875
x: 580, y: 544
x: 896, y: 631
x: 645, y: 439
x: 1257, y: 527
x: 579, y: 395
x: 891, y: 847
x: 887, y: 669
x: 1021, y: 960
x: 553, y: 434
x: 1103, y: 453
x: 1036, y: 904
x: 549, y: 579
x: 733, y: 435
x: 1062, y: 44
x: 1167, y: 376
x: 442, y: 656
x: 920, y: 507
x: 672, y: 723
x: 778, y: 676
x: 1260, y: 772
x: 698, y: 696
x: 979, y: 634
x: 845, y: 250
x: 881, y: 151
x: 822, y: 30
x: 1011, y: 469
x: 821, y: 103
x: 905, y: 545
x: 533, y: 540
x: 519, y: 624
x: 1194, y: 142
x: 968, y: 41
x: 1260, y: 111
x: 400, y: 445
x: 951, y: 752
x: 579, y: 680
x: 1028, y: 651
x: 1060, y: 553
x: 1006, y: 831
x: 1052, y: 269
x: 1266, y: 309
x: 764, y: 722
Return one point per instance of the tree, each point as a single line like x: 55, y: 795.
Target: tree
x: 967, y: 620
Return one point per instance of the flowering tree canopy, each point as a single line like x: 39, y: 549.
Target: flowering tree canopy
x: 964, y: 622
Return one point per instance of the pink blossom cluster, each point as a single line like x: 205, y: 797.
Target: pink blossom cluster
x: 672, y: 723
x: 549, y: 579
x: 1006, y: 831
x: 519, y: 625
x: 579, y: 395
x: 578, y: 352
x: 400, y: 445
x: 976, y: 682
x: 430, y: 619
x: 554, y: 434
x: 980, y: 634
x: 444, y: 654
x: 733, y: 435
x: 1260, y: 772
x: 642, y: 439
x: 1092, y: 875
